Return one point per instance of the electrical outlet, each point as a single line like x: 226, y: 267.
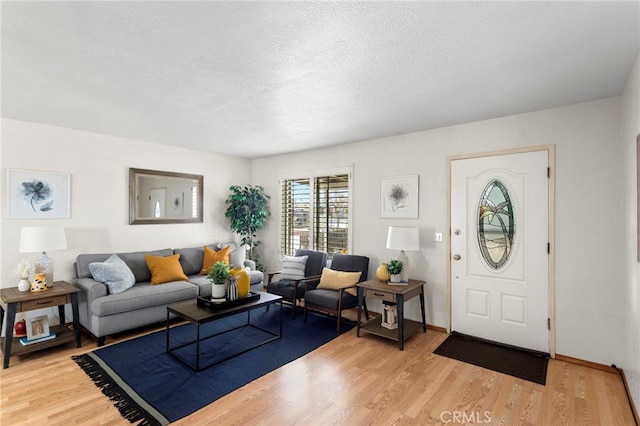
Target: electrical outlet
x: 437, y: 237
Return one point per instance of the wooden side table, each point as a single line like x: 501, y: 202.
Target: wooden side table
x: 13, y: 301
x: 397, y: 294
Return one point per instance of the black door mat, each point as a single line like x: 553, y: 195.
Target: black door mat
x: 514, y: 362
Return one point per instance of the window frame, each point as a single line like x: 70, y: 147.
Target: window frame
x: 312, y: 175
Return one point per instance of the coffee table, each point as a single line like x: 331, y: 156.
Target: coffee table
x: 190, y: 311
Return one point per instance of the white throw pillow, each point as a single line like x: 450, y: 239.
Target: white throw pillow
x: 293, y: 267
x: 114, y: 272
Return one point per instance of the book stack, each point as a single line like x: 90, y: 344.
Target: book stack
x: 26, y: 342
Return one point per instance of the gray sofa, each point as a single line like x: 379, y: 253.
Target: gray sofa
x: 104, y: 314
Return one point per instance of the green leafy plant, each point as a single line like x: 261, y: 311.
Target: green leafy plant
x: 219, y: 273
x: 394, y: 267
x: 248, y: 211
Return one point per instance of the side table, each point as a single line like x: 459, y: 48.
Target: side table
x: 13, y: 301
x: 397, y: 294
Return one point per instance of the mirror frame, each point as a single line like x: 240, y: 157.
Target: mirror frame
x: 134, y: 173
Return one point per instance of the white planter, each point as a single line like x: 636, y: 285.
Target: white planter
x: 395, y: 278
x: 218, y: 291
x: 24, y: 285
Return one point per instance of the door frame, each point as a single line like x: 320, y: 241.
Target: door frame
x: 551, y: 152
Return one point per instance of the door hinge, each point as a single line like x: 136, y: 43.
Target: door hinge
x: 548, y: 248
x: 548, y: 323
x: 548, y: 172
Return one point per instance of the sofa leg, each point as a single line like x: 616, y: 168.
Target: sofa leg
x: 101, y: 340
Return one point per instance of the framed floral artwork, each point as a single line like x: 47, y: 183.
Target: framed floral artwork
x: 38, y: 195
x: 399, y: 197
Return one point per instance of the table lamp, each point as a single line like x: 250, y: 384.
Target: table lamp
x: 40, y: 238
x: 403, y: 238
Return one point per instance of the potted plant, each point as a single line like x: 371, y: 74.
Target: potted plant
x: 248, y: 211
x: 218, y: 274
x: 394, y: 268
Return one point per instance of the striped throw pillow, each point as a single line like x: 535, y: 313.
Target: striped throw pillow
x: 293, y: 267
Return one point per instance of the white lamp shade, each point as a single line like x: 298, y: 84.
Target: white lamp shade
x: 403, y: 238
x: 41, y: 238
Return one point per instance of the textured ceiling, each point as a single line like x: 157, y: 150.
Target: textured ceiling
x: 264, y: 78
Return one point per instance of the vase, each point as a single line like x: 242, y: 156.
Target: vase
x: 218, y: 291
x: 24, y: 285
x: 382, y: 274
x: 232, y: 289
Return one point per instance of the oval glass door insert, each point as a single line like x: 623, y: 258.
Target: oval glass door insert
x: 496, y: 224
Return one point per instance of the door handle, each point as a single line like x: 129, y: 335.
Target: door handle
x: 456, y: 257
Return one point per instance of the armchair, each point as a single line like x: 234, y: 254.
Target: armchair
x: 293, y: 289
x: 337, y: 288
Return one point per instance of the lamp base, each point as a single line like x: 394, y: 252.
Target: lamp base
x: 44, y: 265
x: 405, y: 266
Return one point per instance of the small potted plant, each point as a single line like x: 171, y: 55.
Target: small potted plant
x: 394, y: 268
x: 218, y: 274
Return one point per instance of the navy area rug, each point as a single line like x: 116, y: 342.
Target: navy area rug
x: 151, y: 387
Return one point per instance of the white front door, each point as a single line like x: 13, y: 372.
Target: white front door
x: 499, y: 248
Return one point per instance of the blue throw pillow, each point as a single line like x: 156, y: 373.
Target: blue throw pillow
x: 114, y: 273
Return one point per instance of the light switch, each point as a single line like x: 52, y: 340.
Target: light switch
x: 437, y: 237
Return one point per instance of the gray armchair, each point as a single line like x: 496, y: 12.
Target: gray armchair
x: 334, y: 300
x: 293, y: 290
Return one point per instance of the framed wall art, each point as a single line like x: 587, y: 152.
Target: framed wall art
x: 38, y: 195
x: 399, y: 197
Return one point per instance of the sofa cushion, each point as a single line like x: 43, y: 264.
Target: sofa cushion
x: 191, y: 259
x: 203, y: 283
x: 114, y: 273
x: 212, y: 256
x: 134, y: 260
x: 333, y: 280
x: 143, y: 295
x: 165, y: 269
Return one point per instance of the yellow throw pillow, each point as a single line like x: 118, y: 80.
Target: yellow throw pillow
x: 211, y: 257
x: 333, y: 280
x: 165, y: 269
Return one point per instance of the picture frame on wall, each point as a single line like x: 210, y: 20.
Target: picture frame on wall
x: 35, y: 194
x: 38, y: 327
x: 399, y: 197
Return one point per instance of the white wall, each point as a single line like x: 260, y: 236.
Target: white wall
x: 589, y: 275
x: 631, y: 291
x: 99, y: 167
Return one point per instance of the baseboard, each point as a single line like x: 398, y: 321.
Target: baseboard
x: 609, y: 369
x: 436, y: 328
x: 628, y: 390
x: 585, y: 363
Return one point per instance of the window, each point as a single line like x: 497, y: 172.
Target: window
x: 315, y: 212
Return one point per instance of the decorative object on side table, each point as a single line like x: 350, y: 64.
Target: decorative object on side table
x: 24, y: 270
x: 389, y: 315
x: 40, y: 238
x: 39, y: 283
x: 394, y: 269
x: 219, y: 274
x: 38, y: 327
x: 403, y: 238
x: 382, y: 274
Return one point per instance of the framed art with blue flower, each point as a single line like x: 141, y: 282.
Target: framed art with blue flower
x: 399, y: 197
x: 38, y: 195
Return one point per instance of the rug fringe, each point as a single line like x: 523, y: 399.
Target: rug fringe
x: 127, y: 407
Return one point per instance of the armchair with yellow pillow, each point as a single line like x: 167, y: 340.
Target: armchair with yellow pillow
x: 122, y: 291
x: 337, y: 289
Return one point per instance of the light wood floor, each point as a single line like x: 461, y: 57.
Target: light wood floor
x: 349, y: 381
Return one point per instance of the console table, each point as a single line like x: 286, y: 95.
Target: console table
x: 13, y: 301
x: 398, y: 294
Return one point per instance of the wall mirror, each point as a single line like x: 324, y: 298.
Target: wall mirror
x: 157, y: 197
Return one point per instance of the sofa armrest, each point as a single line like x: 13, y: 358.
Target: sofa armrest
x: 91, y: 288
x: 251, y: 264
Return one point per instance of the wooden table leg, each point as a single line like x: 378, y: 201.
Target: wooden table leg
x: 76, y: 318
x: 8, y: 333
x: 400, y: 305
